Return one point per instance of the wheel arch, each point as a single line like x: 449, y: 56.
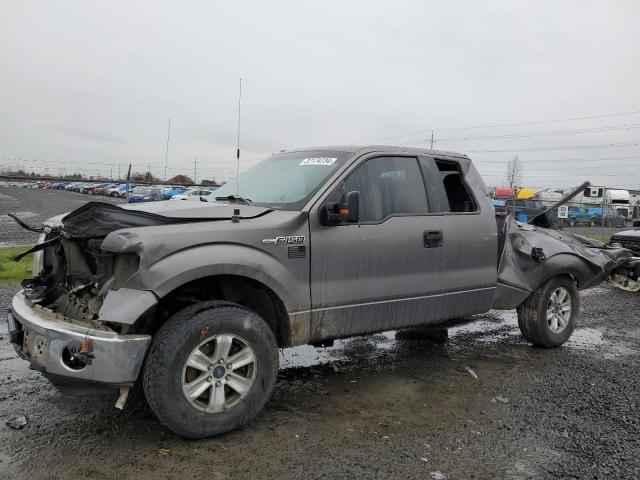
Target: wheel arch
x: 239, y: 289
x: 572, y: 266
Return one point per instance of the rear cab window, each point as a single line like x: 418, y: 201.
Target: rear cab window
x: 447, y: 189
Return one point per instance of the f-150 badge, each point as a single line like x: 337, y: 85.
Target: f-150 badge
x: 293, y: 240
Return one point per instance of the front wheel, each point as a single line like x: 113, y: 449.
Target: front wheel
x: 548, y: 316
x: 210, y: 369
x: 572, y: 222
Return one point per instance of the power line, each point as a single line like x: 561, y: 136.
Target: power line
x: 533, y: 134
x: 572, y: 147
x: 556, y: 160
x: 503, y: 125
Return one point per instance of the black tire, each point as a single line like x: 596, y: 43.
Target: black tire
x: 174, y: 342
x: 532, y: 314
x: 572, y: 222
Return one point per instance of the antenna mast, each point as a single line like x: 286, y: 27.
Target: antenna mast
x: 238, y: 142
x: 166, y: 153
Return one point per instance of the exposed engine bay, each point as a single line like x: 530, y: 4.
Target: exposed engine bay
x: 72, y: 276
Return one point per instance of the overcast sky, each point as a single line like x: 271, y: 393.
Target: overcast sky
x: 92, y: 84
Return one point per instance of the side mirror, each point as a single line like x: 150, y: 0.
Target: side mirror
x: 346, y: 211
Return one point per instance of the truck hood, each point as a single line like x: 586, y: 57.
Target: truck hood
x: 627, y: 235
x: 97, y: 219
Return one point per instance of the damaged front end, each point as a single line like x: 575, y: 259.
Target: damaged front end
x: 64, y: 321
x: 78, y: 320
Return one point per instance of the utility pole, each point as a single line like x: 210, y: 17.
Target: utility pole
x: 431, y: 140
x: 128, y: 180
x: 118, y: 171
x: 166, y: 153
x: 238, y: 142
x: 195, y: 170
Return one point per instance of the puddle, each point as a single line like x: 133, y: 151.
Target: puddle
x: 491, y: 328
x: 308, y: 356
x: 594, y: 339
x: 595, y: 291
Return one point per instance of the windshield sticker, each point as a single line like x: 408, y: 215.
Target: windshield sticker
x: 318, y: 161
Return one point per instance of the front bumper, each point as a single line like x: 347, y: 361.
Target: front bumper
x: 49, y: 342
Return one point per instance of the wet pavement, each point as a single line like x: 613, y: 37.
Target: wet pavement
x: 34, y: 206
x: 371, y: 407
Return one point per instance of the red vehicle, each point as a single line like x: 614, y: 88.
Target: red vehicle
x: 99, y: 189
x: 503, y: 192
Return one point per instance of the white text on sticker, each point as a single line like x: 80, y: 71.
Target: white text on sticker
x: 318, y: 161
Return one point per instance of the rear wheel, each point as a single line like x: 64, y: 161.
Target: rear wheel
x: 210, y: 369
x: 548, y: 316
x: 572, y: 222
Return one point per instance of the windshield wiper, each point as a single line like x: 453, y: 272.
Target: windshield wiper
x: 236, y: 198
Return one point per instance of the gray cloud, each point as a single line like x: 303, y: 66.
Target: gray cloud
x: 96, y: 82
x: 89, y: 135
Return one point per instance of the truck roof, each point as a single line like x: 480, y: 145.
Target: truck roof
x: 363, y: 149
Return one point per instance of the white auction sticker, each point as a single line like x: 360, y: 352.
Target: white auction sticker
x: 318, y: 161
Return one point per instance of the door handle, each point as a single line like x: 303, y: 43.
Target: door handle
x: 432, y: 238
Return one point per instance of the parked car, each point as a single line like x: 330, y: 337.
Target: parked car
x: 97, y: 188
x: 577, y: 216
x: 499, y: 205
x: 142, y: 194
x: 628, y: 238
x: 101, y: 188
x: 171, y: 192
x: 73, y: 186
x: 59, y: 185
x: 610, y: 218
x: 196, y: 297
x: 88, y: 187
x: 523, y: 210
x: 195, y: 194
x: 114, y: 190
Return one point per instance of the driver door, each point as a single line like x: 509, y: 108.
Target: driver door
x: 385, y: 271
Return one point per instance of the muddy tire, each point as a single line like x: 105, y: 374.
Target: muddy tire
x: 431, y: 334
x: 548, y: 316
x: 210, y: 369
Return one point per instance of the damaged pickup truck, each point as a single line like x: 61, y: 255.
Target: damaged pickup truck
x: 307, y: 246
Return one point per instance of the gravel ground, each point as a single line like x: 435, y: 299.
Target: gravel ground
x: 34, y: 206
x: 370, y: 407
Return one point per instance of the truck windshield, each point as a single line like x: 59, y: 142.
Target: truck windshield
x: 285, y: 181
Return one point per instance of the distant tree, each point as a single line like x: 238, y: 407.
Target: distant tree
x: 181, y: 180
x: 210, y: 183
x: 146, y: 177
x: 513, y: 175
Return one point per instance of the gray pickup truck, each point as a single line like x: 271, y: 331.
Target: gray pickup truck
x: 195, y: 298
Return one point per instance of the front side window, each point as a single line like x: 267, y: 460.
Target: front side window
x: 387, y: 186
x: 285, y: 181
